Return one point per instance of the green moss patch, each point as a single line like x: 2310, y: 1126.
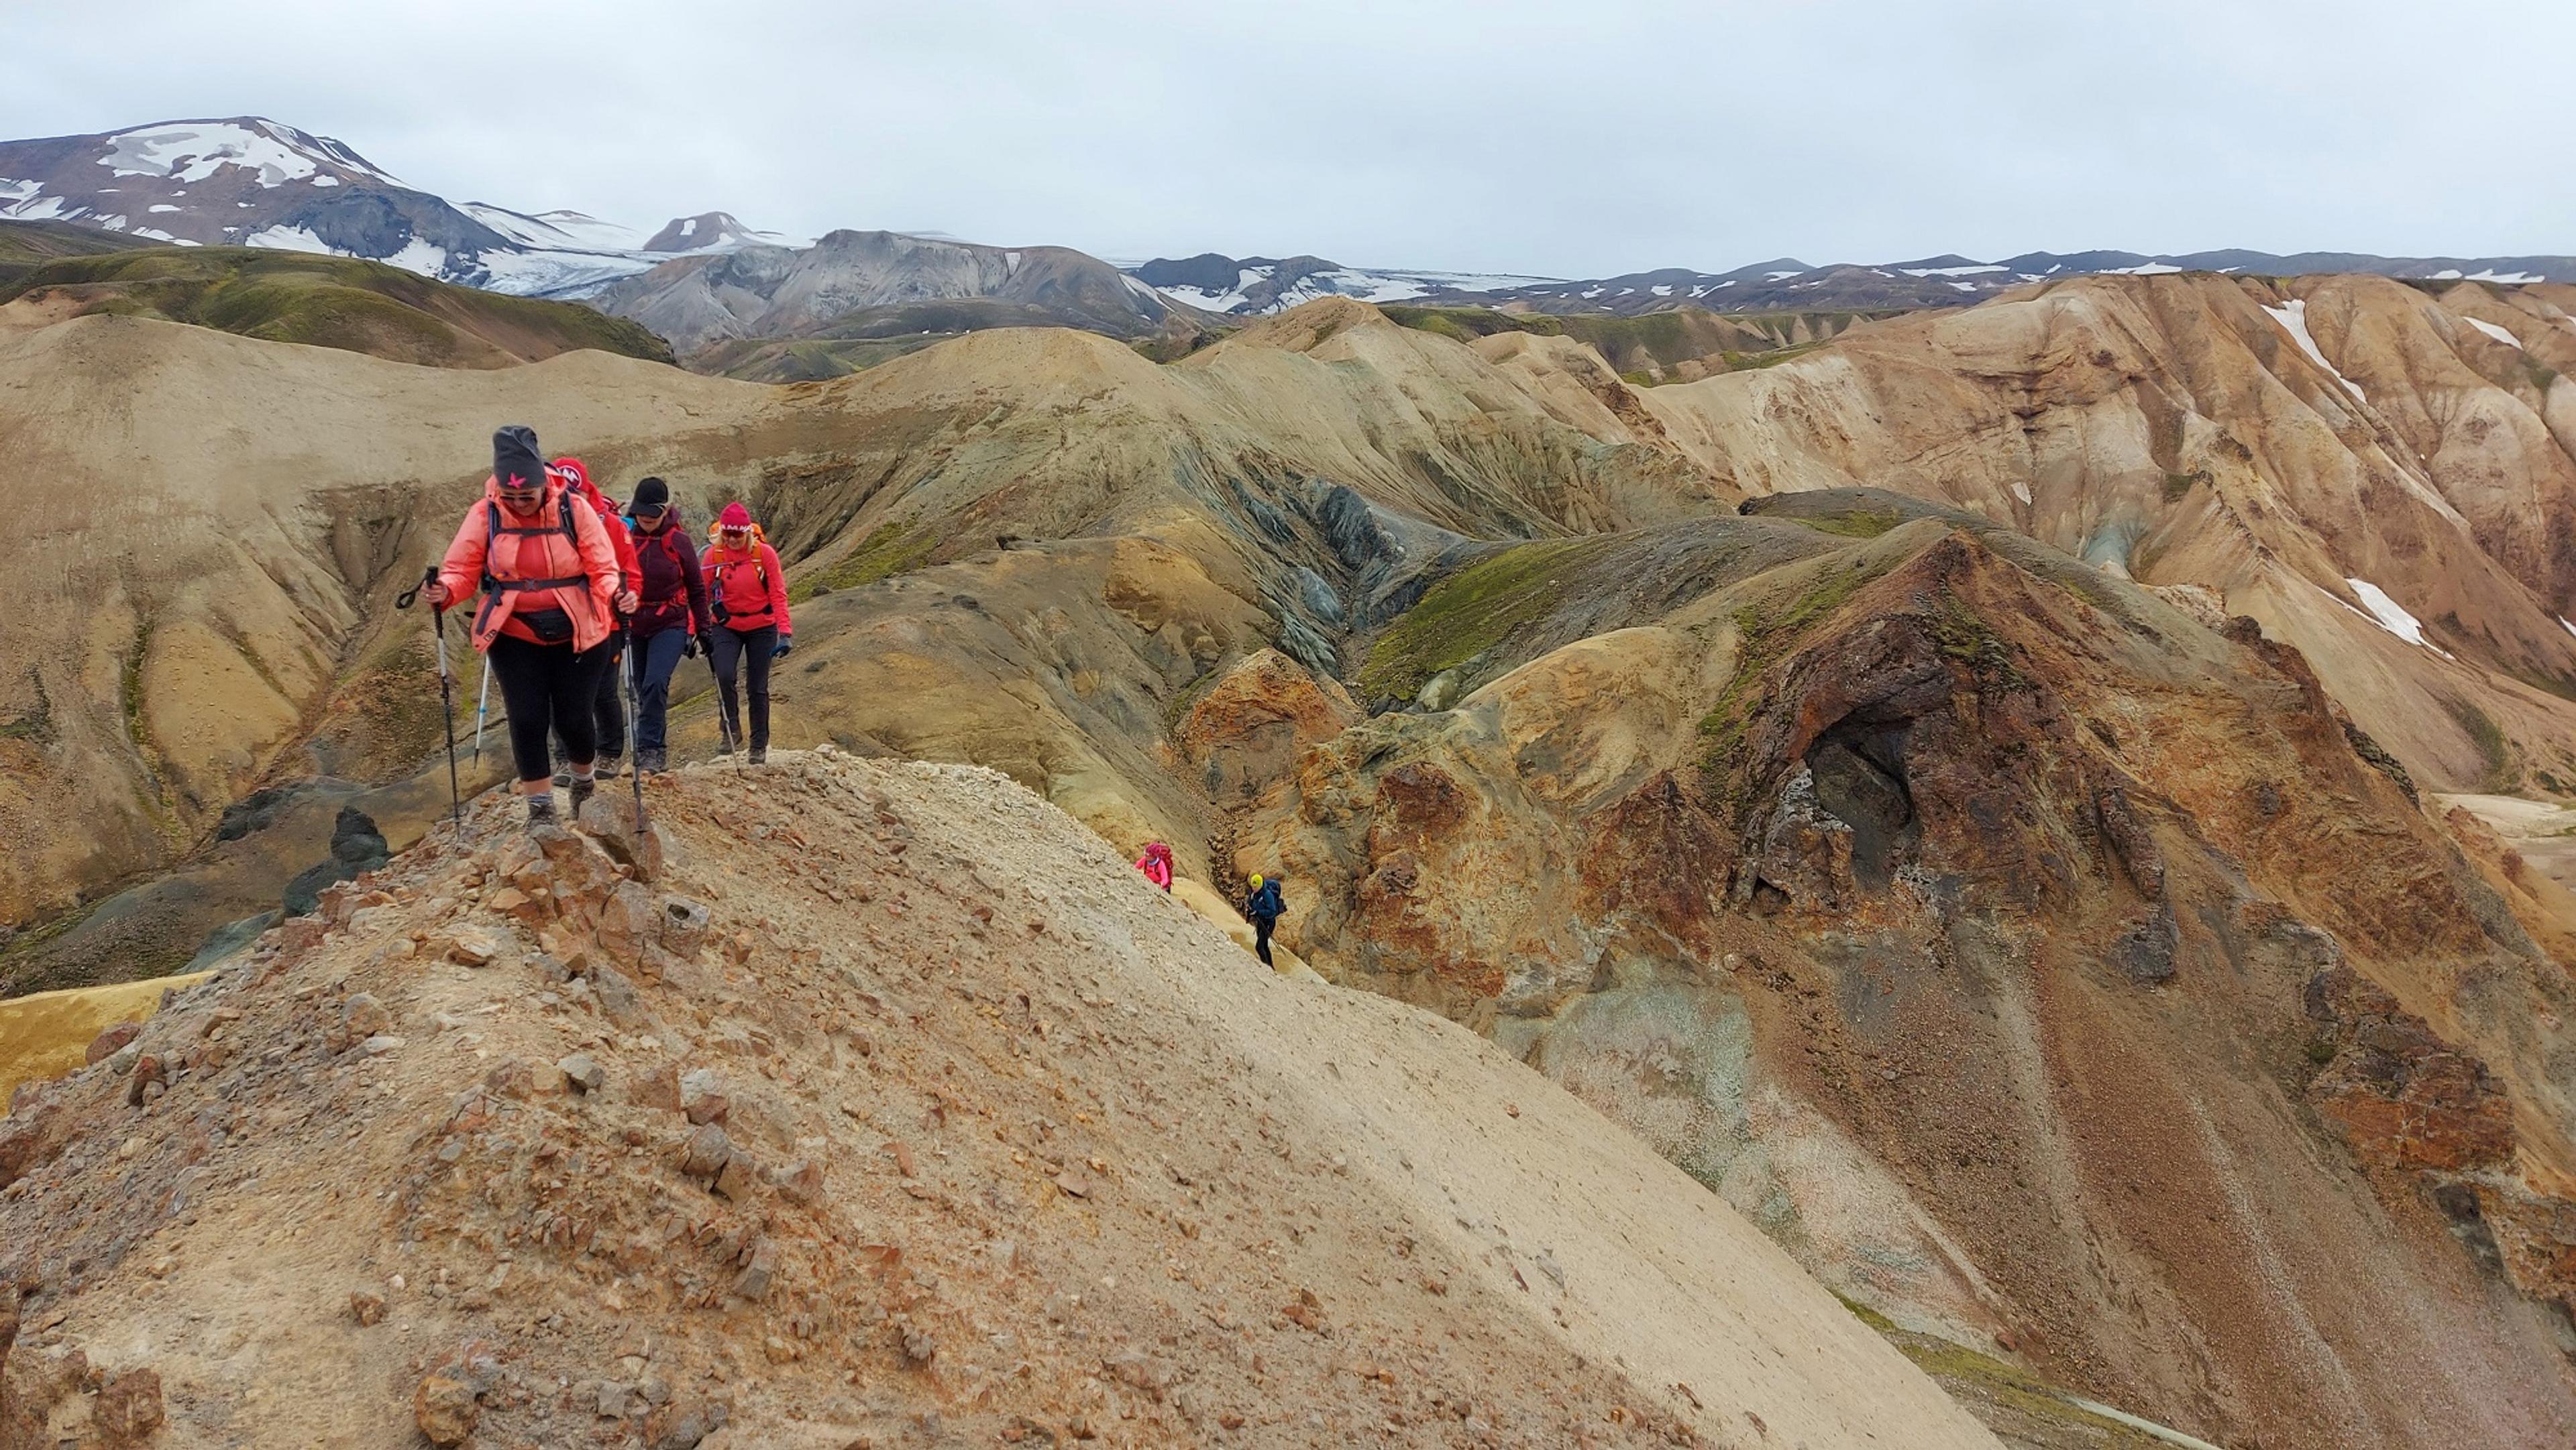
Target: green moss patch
x: 1765, y: 633
x: 1853, y: 524
x: 2494, y: 751
x: 894, y: 548
x: 1469, y: 613
x: 337, y: 302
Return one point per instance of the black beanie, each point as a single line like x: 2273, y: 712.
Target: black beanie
x: 650, y: 494
x: 516, y: 463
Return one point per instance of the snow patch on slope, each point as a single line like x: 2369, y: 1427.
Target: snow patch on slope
x: 2293, y: 317
x: 2498, y: 333
x: 420, y: 256
x: 194, y: 151
x: 289, y: 239
x: 2390, y: 615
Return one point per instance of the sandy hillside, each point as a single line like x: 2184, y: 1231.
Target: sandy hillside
x: 2273, y: 442
x: 944, y: 1128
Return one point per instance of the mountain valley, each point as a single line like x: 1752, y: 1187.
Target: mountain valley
x: 2037, y: 810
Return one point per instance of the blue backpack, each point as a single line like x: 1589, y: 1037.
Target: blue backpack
x: 1266, y: 902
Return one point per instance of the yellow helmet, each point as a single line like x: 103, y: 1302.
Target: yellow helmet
x: 1256, y: 881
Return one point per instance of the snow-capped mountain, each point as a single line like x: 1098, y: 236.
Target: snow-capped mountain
x: 248, y: 181
x: 1250, y: 286
x: 1214, y: 283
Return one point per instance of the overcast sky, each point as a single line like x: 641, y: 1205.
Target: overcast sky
x: 1564, y: 138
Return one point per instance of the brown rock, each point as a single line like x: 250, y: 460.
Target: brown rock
x: 1145, y: 1372
x: 617, y: 997
x: 918, y: 1347
x: 129, y: 1406
x: 367, y: 1308
x: 706, y: 1153
x: 29, y: 1140
x: 514, y: 1078
x: 680, y: 1427
x: 474, y: 947
x: 149, y: 1072
x: 106, y: 1044
x: 443, y: 1407
x: 363, y: 1016
x: 583, y: 1072
x: 17, y: 1422
x: 800, y: 1182
x: 628, y: 922
x: 610, y: 819
x: 685, y: 924
x: 702, y: 1096
x: 756, y: 1277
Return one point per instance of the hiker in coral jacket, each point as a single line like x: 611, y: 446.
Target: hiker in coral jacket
x: 1157, y: 864
x: 752, y: 629
x: 672, y: 617
x: 608, y: 712
x: 552, y: 592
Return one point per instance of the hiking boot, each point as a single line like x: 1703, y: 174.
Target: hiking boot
x: 606, y: 769
x: 760, y: 755
x: 541, y: 810
x: 563, y: 775
x: 651, y: 762
x: 724, y: 747
x: 582, y: 790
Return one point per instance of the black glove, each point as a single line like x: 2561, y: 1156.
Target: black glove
x: 780, y: 652
x: 689, y: 649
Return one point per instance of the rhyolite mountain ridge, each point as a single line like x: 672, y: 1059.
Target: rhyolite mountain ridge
x: 762, y: 306
x: 1972, y: 793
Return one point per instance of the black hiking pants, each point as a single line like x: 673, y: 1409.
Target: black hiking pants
x: 549, y: 688
x: 749, y: 649
x: 1261, y: 926
x: 657, y: 658
x: 607, y: 711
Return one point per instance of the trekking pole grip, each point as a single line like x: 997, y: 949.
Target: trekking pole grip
x: 428, y: 577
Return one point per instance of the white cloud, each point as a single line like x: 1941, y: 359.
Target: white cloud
x: 1444, y: 133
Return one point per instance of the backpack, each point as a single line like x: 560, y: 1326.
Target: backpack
x: 1266, y: 902
x: 550, y: 626
x: 715, y: 582
x: 672, y: 540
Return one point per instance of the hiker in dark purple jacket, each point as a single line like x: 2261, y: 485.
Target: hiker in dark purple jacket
x: 672, y: 619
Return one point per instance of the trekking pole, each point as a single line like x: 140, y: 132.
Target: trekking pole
x: 628, y: 662
x: 446, y: 693
x: 724, y: 725
x: 482, y: 709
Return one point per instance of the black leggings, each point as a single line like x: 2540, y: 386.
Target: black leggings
x: 1261, y: 926
x: 751, y: 647
x: 549, y: 687
x: 608, y: 712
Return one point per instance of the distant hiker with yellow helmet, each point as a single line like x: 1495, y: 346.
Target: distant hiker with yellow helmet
x: 1262, y: 906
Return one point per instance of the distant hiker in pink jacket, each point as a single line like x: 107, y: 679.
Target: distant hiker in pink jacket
x: 1157, y: 864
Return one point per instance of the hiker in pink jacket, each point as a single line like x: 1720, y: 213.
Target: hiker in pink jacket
x: 1157, y: 864
x: 552, y: 597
